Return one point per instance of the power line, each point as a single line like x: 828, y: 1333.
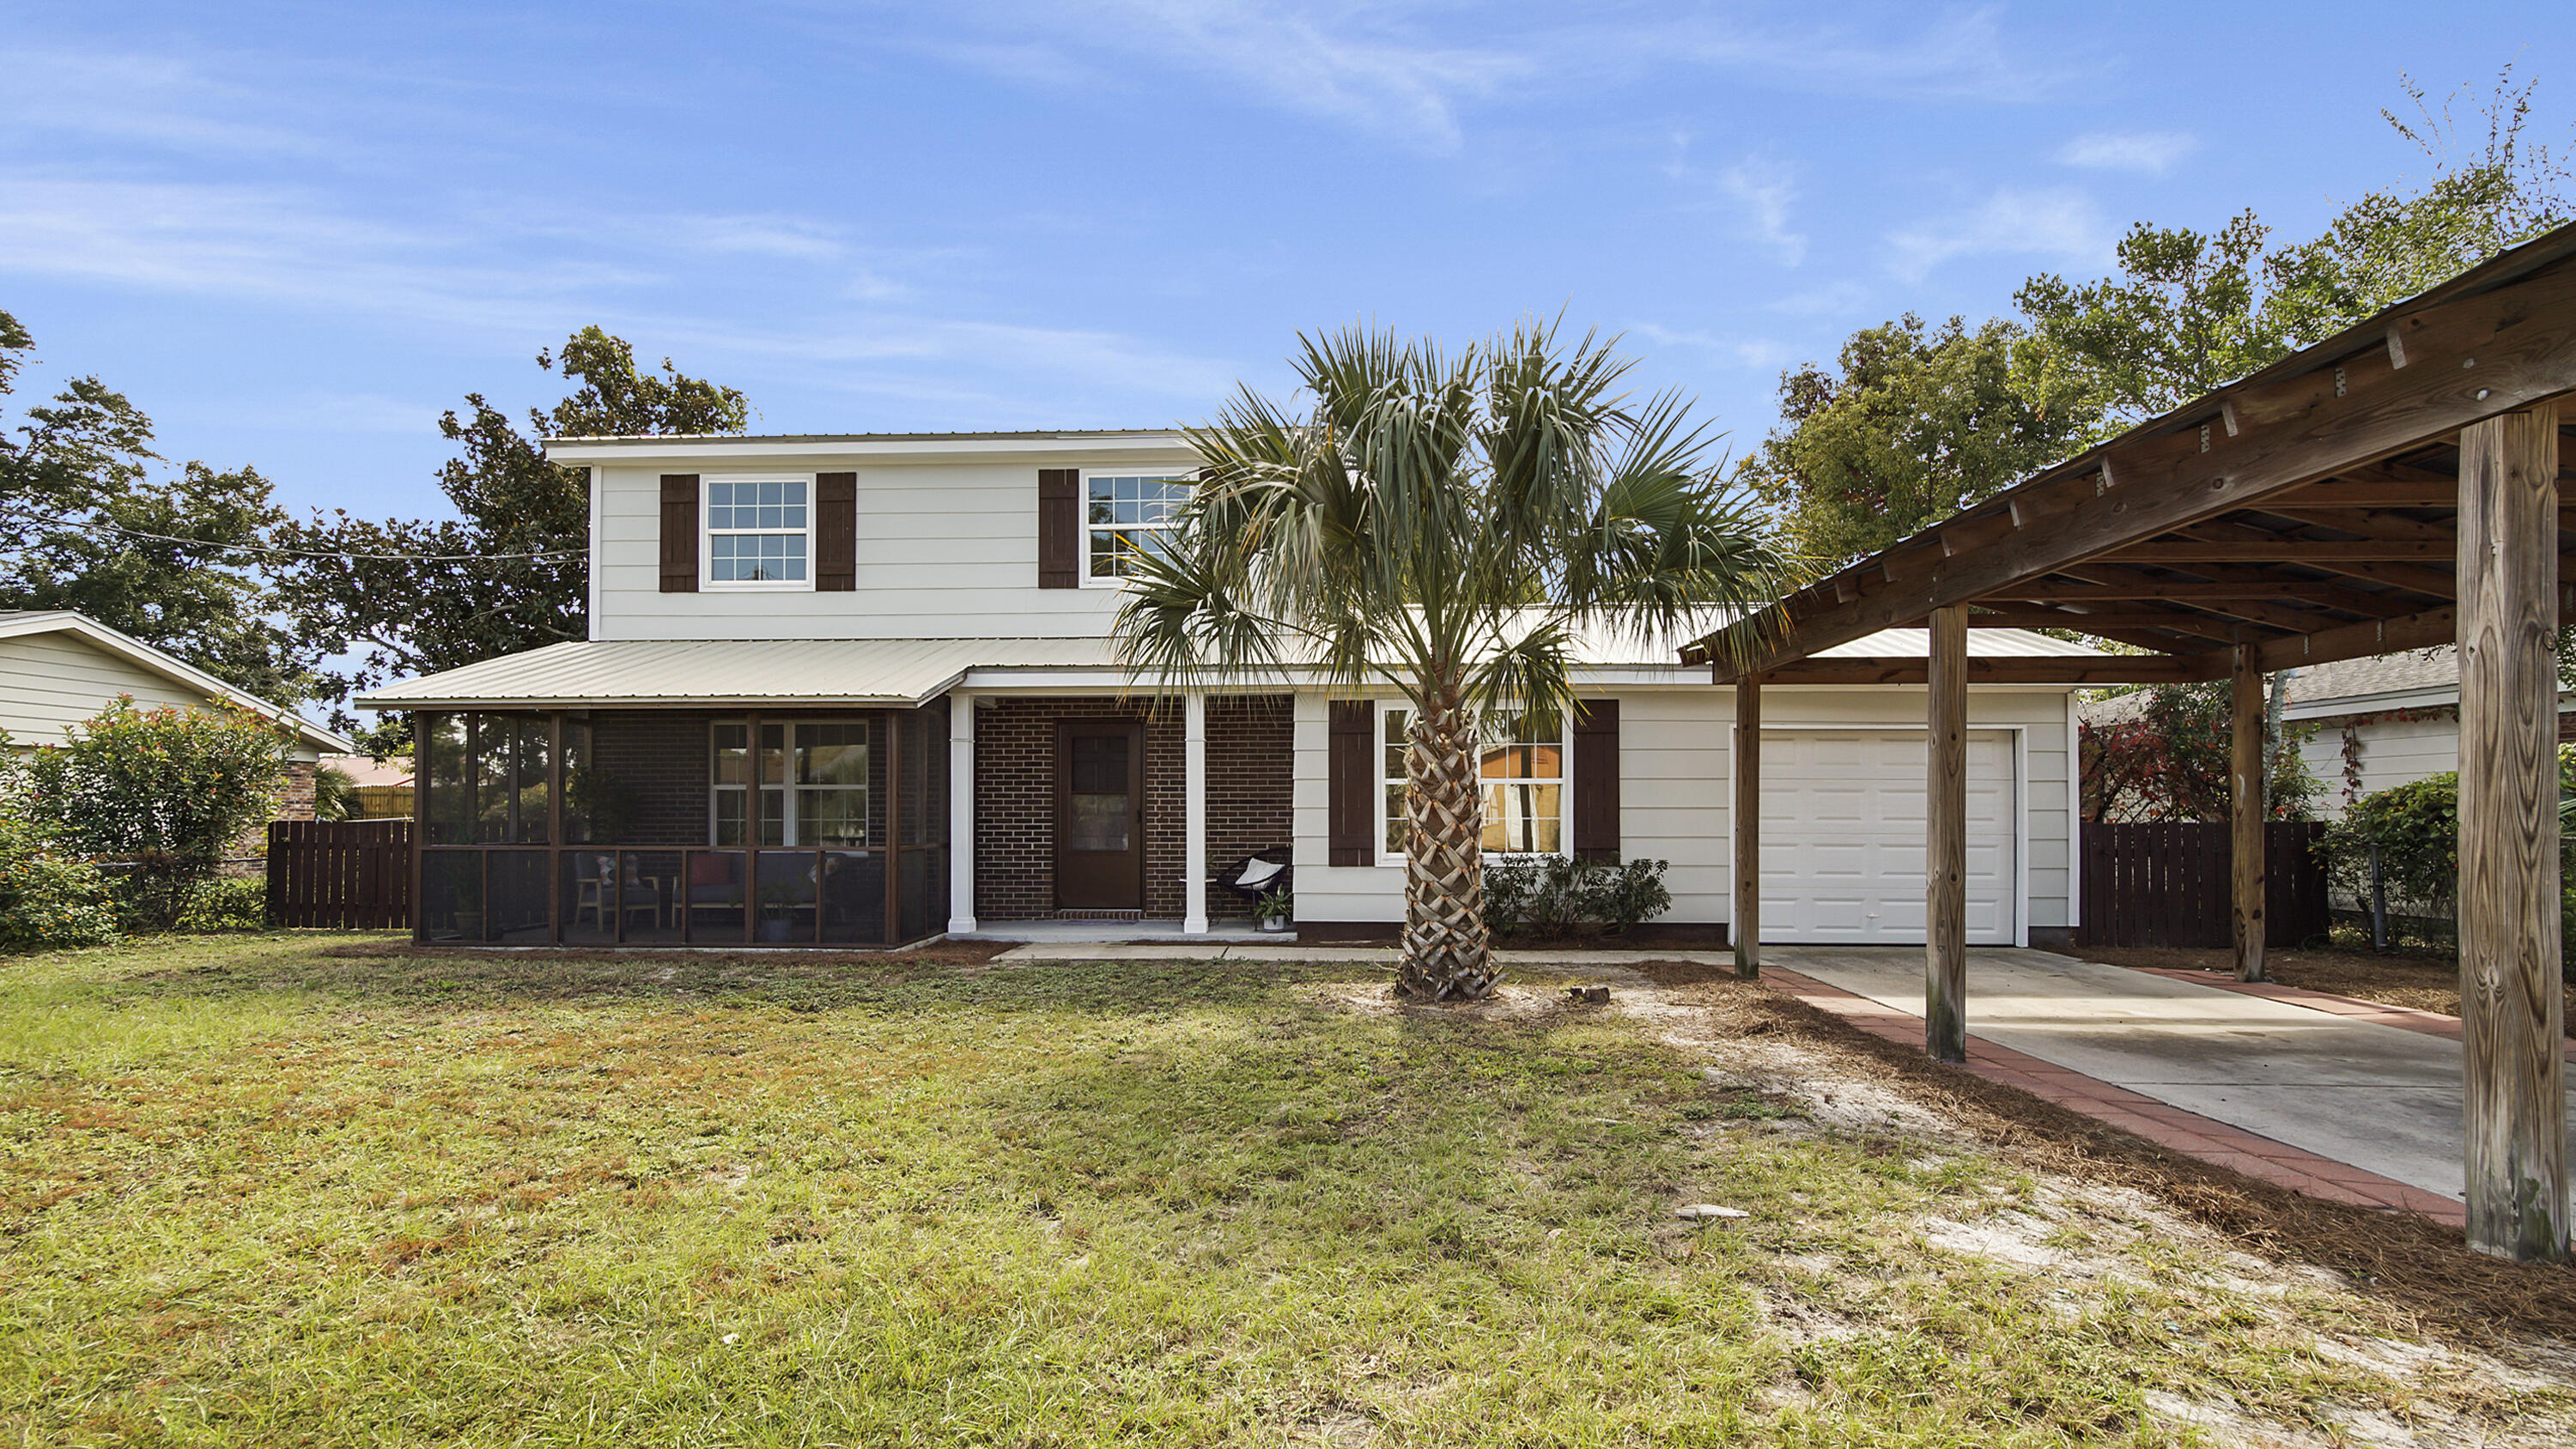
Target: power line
x: 267, y: 551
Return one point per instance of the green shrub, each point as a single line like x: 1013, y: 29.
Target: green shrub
x: 226, y: 903
x: 168, y: 790
x: 2417, y: 830
x: 1559, y: 896
x: 47, y: 901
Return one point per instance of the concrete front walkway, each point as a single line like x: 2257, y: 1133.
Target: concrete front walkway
x: 2350, y: 1090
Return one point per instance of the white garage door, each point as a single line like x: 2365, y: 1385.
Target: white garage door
x: 1842, y: 836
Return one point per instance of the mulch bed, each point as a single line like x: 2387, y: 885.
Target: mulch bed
x: 2412, y: 1263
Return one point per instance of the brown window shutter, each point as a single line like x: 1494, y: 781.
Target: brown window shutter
x: 1059, y: 528
x: 836, y: 532
x: 1596, y: 781
x: 679, y: 533
x: 1351, y: 830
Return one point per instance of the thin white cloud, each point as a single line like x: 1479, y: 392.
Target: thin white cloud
x: 2056, y: 223
x: 2150, y: 152
x: 1387, y: 68
x: 153, y: 99
x: 1758, y: 352
x: 1831, y: 300
x: 1763, y: 190
x: 282, y: 246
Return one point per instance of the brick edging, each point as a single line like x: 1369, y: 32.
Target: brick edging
x: 2173, y: 1128
x: 2381, y: 1013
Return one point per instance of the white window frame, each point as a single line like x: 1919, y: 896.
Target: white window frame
x: 708, y: 534
x: 1082, y: 565
x: 1390, y: 710
x: 787, y: 785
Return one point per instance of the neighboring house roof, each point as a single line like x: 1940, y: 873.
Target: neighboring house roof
x: 366, y: 770
x: 905, y: 672
x: 2410, y: 679
x: 19, y: 623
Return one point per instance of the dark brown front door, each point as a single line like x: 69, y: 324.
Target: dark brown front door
x: 1100, y: 815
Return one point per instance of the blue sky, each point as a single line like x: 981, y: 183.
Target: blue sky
x: 293, y: 234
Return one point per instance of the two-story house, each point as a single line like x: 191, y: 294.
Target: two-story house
x: 860, y: 690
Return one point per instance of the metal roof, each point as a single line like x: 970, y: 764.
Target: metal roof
x: 731, y: 671
x: 906, y: 672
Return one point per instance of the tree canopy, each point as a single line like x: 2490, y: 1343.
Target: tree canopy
x: 1913, y: 423
x: 91, y: 521
x: 512, y: 571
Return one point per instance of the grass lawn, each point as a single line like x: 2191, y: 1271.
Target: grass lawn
x: 295, y: 1190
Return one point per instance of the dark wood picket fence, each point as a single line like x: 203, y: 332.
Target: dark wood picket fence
x: 349, y: 874
x: 2165, y: 884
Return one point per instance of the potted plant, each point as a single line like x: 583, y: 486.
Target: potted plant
x: 1274, y: 911
x: 778, y: 916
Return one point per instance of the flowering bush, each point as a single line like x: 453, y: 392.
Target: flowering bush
x: 2169, y: 761
x: 168, y: 790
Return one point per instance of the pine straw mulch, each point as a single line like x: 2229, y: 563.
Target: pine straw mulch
x: 2421, y: 980
x: 2412, y: 1264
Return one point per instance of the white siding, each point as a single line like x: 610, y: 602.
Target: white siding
x: 48, y: 681
x: 2393, y: 752
x: 945, y: 551
x: 1676, y: 759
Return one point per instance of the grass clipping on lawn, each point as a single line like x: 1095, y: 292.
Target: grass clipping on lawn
x: 258, y: 1192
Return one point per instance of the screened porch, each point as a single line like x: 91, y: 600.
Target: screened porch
x: 682, y: 827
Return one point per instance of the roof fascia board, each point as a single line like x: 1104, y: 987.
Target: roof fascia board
x: 622, y: 450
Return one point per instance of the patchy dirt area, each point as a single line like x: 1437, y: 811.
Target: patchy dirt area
x: 2105, y: 1205
x: 2416, y: 979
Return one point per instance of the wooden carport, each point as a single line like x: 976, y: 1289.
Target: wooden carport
x: 2393, y: 487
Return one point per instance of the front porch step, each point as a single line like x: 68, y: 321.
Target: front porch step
x: 1100, y: 915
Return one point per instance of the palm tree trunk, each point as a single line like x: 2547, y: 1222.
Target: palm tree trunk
x: 1448, y: 953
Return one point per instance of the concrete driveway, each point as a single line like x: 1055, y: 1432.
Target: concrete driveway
x: 2377, y: 1097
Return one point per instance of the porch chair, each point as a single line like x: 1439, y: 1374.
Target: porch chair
x: 591, y: 893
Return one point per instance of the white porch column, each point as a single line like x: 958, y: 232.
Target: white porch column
x: 961, y: 813
x: 1194, y: 872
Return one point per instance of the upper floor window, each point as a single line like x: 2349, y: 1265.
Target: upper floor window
x: 1522, y: 763
x: 1128, y: 515
x: 760, y: 533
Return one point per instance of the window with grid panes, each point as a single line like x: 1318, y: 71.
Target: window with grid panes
x: 1127, y: 515
x: 1522, y: 763
x: 759, y: 533
x: 812, y: 784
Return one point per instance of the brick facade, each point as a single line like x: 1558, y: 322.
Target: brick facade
x: 1249, y: 764
x: 295, y: 796
x: 1251, y: 760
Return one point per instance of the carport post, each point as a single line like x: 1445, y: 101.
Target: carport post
x: 2511, y: 1007
x: 1945, y: 831
x: 1748, y: 829
x: 2245, y: 814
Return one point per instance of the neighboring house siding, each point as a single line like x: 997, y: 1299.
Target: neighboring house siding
x: 49, y: 681
x: 1676, y: 768
x: 945, y: 551
x: 2393, y: 752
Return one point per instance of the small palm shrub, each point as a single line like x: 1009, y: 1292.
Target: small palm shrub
x: 1556, y: 896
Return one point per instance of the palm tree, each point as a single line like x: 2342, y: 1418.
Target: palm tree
x: 1444, y: 525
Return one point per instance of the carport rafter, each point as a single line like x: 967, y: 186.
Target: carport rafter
x: 2394, y: 487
